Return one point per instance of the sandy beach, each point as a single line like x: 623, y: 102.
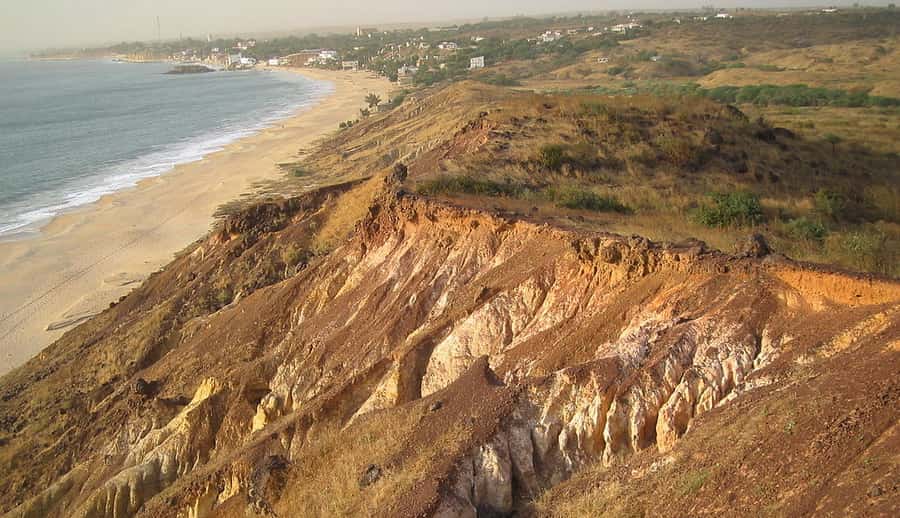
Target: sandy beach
x: 83, y: 260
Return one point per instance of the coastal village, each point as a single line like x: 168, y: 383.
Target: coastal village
x: 425, y: 56
x: 428, y: 55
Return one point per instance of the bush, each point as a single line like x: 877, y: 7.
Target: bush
x: 803, y: 228
x: 734, y: 209
x: 468, y: 185
x: 293, y: 255
x: 679, y: 150
x: 588, y: 200
x: 224, y: 296
x: 830, y: 204
x: 867, y: 249
x: 551, y: 156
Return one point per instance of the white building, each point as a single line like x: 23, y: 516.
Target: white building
x: 326, y: 56
x: 448, y: 45
x: 724, y: 16
x: 475, y: 63
x: 274, y: 62
x: 549, y: 36
x: 625, y: 27
x: 350, y: 65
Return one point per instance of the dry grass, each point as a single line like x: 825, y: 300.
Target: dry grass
x: 325, y: 480
x: 877, y: 129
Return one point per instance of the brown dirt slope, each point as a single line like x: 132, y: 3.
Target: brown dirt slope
x: 448, y: 361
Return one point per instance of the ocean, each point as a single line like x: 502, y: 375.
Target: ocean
x: 73, y: 131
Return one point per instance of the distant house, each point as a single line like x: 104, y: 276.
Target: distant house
x: 362, y: 32
x: 625, y: 27
x: 549, y: 36
x: 829, y: 10
x: 476, y: 39
x: 274, y: 62
x: 603, y: 60
x: 475, y: 63
x: 350, y: 65
x: 300, y: 59
x: 724, y: 16
x: 448, y: 45
x: 326, y: 56
x: 239, y: 61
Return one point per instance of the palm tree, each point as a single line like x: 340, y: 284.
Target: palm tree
x: 373, y: 100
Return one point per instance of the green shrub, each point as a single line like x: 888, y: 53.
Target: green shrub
x: 616, y: 70
x: 867, y: 249
x: 588, y: 200
x: 830, y: 204
x: 224, y: 296
x: 803, y: 228
x: 468, y: 185
x: 734, y: 209
x: 551, y: 156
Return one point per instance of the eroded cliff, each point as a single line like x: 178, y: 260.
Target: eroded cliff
x: 442, y: 361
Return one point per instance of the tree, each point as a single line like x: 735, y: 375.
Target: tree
x: 834, y: 140
x: 373, y: 100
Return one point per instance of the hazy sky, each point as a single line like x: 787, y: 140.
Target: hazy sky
x: 31, y: 24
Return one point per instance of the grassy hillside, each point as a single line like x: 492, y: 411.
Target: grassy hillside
x: 667, y: 169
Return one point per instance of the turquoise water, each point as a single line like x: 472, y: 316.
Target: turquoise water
x: 73, y: 131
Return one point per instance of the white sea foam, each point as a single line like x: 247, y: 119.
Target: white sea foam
x: 29, y: 216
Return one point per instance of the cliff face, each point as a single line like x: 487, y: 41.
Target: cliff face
x: 442, y: 361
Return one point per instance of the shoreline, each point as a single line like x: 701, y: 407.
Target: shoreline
x: 29, y: 222
x: 84, y: 259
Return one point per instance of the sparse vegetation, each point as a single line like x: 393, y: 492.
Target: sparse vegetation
x: 446, y: 184
x: 731, y: 209
x: 373, y: 100
x: 805, y: 228
x: 572, y: 198
x: 551, y: 156
x: 693, y: 482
